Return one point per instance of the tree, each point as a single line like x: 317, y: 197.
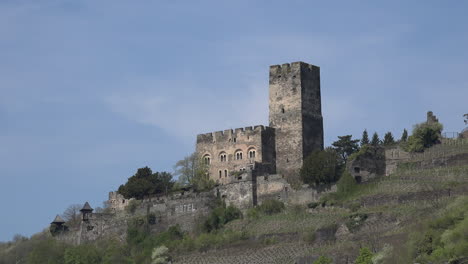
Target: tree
x: 365, y: 138
x: 365, y: 256
x: 404, y: 136
x: 145, y: 182
x: 375, y: 140
x: 466, y: 118
x: 321, y: 167
x: 345, y: 146
x: 425, y: 135
x: 388, y: 139
x: 72, y: 214
x: 194, y: 172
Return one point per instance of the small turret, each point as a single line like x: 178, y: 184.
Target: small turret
x: 86, y: 211
x: 57, y: 226
x: 58, y: 221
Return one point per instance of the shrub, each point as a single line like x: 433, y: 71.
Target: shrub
x: 424, y: 135
x: 83, y: 254
x: 253, y: 213
x: 321, y: 167
x: 271, y: 206
x: 313, y: 205
x: 309, y: 236
x: 221, y: 216
x: 355, y: 221
x: 232, y: 213
x: 365, y: 256
x: 346, y: 185
x: 323, y: 260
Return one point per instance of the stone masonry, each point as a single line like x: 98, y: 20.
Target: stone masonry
x: 296, y: 129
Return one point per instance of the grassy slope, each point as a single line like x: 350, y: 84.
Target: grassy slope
x: 394, y: 206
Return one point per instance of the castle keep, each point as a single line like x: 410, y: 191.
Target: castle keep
x: 295, y: 130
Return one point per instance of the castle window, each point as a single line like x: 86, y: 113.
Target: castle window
x: 282, y: 110
x: 220, y: 173
x: 207, y: 159
x: 235, y: 140
x: 223, y: 157
x: 239, y: 155
x: 252, y: 154
x: 225, y: 173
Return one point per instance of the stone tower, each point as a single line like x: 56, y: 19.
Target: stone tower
x: 295, y: 113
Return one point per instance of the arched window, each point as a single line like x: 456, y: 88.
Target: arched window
x: 220, y: 173
x: 223, y: 157
x: 239, y: 155
x: 225, y: 173
x: 207, y: 159
x: 252, y: 153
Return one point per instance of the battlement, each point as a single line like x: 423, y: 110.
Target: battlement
x: 278, y: 71
x: 231, y: 134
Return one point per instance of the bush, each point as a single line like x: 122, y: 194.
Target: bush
x: 313, y: 205
x: 425, y: 135
x: 221, y: 216
x: 444, y: 239
x: 253, y: 213
x: 346, y: 185
x: 309, y: 236
x: 365, y: 256
x: 83, y: 254
x: 271, y: 206
x: 321, y: 167
x: 323, y: 260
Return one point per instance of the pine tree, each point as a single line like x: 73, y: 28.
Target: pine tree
x: 404, y: 136
x: 388, y: 139
x: 365, y: 138
x: 375, y: 140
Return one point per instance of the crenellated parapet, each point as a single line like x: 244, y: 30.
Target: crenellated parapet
x: 232, y: 135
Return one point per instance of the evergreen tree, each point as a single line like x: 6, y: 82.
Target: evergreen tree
x: 388, y: 139
x: 345, y: 146
x: 404, y: 136
x: 375, y: 140
x: 365, y: 138
x: 145, y: 182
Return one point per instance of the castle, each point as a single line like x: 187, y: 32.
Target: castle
x: 295, y: 130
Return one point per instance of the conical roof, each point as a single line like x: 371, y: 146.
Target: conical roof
x: 86, y: 208
x: 58, y: 220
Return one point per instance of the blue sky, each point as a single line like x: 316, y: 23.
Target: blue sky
x: 92, y: 90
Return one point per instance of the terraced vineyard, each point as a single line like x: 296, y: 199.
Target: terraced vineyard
x: 392, y: 207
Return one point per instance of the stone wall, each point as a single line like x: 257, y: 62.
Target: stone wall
x: 117, y: 202
x: 368, y: 164
x: 236, y: 150
x: 295, y: 113
x: 394, y: 156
